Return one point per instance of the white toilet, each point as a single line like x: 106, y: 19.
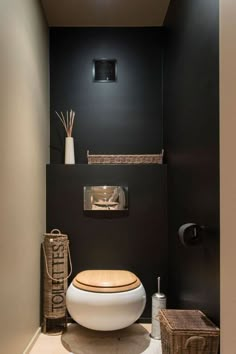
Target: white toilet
x: 105, y: 300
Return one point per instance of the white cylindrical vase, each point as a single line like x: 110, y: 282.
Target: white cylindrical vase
x: 69, y: 151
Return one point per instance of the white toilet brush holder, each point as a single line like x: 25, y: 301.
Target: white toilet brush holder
x: 158, y: 303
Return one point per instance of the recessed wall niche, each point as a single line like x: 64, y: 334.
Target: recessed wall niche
x: 104, y: 70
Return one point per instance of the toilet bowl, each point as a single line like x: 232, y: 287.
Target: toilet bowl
x: 105, y: 300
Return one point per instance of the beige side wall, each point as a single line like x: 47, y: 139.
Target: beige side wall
x: 24, y: 142
x: 228, y: 174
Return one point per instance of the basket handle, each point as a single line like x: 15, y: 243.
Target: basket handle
x: 195, y: 338
x: 55, y: 232
x: 46, y: 264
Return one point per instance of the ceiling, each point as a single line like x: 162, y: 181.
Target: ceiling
x: 113, y: 13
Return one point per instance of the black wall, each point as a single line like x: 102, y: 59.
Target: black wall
x: 111, y: 118
x: 126, y: 117
x: 135, y: 240
x: 120, y: 117
x: 191, y: 116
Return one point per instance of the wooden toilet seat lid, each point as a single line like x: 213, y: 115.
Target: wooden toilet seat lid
x: 106, y: 281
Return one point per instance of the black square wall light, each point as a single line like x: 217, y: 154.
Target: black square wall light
x: 104, y: 70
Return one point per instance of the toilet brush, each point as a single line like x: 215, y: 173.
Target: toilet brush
x: 158, y: 303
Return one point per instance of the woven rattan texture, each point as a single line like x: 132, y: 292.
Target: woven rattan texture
x: 188, y: 332
x: 125, y: 159
x: 56, y: 249
x: 191, y: 320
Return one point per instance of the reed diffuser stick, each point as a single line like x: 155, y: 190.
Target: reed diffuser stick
x: 67, y: 122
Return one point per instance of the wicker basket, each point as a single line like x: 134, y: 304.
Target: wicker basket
x: 188, y: 332
x: 125, y: 159
x: 56, y: 253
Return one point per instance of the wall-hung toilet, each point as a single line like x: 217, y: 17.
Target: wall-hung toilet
x: 105, y: 300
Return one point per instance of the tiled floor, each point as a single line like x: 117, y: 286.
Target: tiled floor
x: 46, y: 344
